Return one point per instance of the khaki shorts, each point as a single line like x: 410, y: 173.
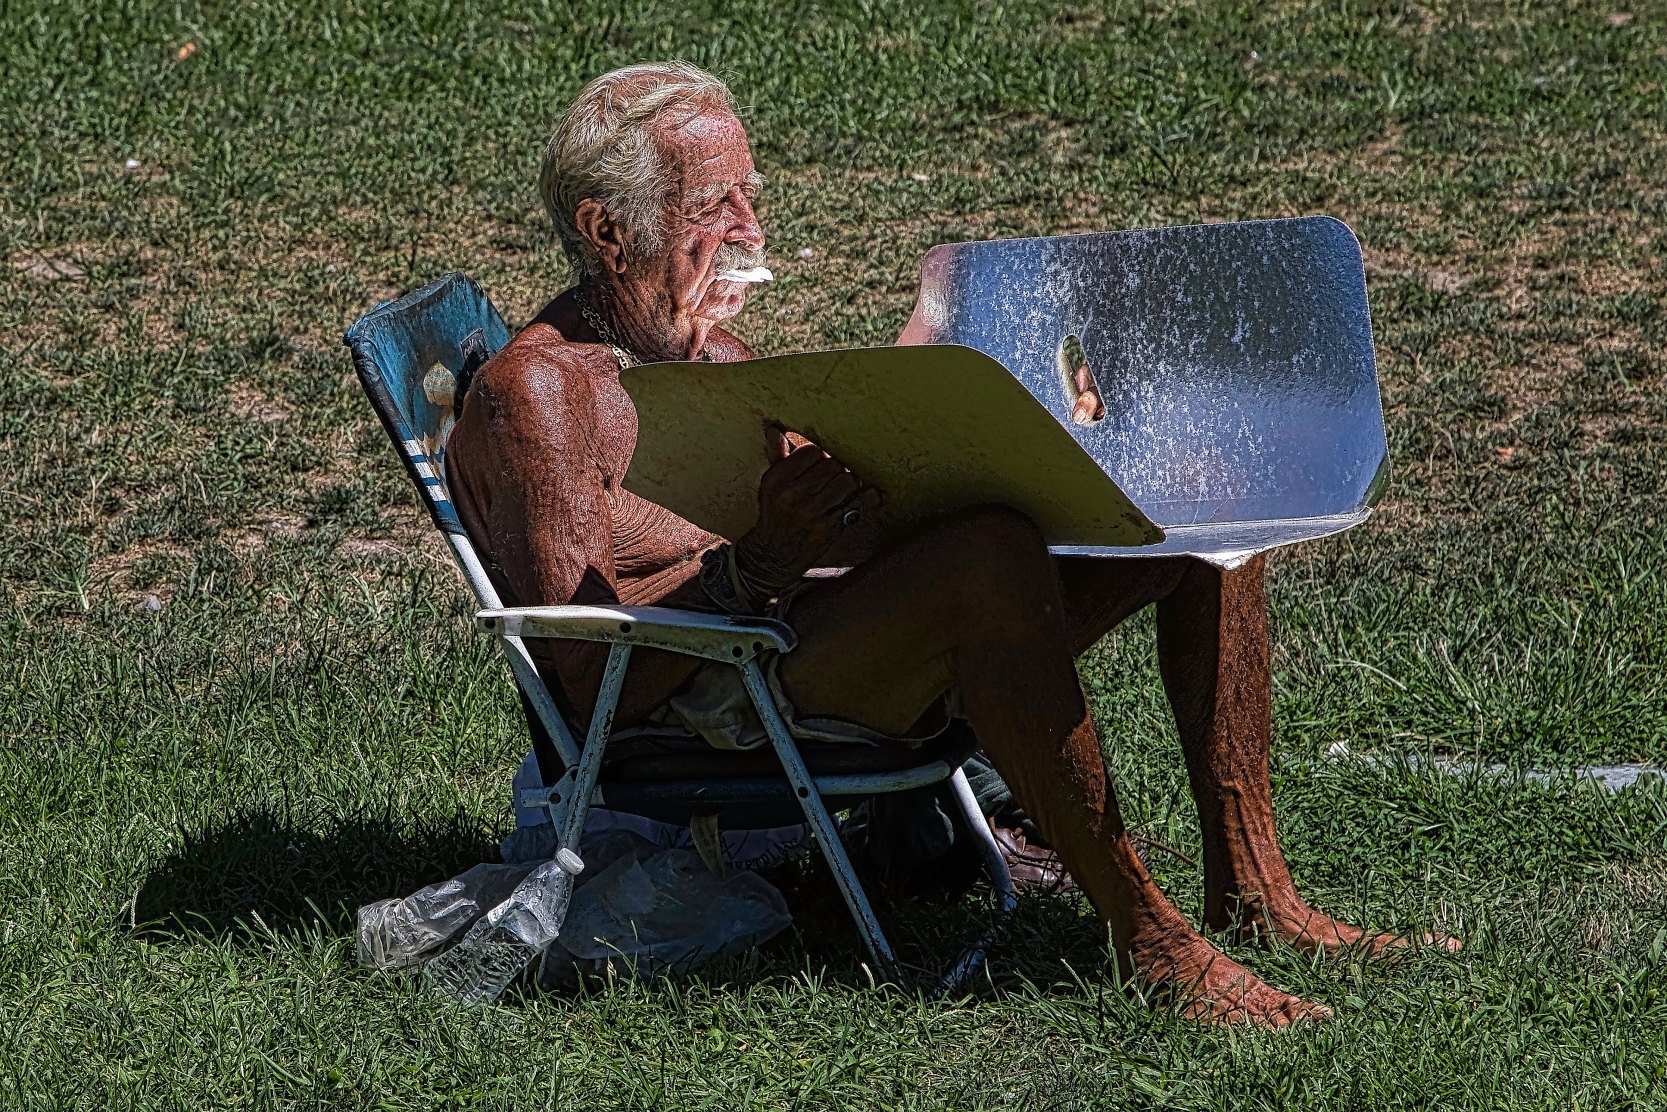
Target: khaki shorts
x: 714, y: 705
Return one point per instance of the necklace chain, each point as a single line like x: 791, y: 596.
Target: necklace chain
x: 627, y: 358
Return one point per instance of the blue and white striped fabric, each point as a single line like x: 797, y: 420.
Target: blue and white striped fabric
x: 410, y: 355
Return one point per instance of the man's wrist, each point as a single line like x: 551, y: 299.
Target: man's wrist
x: 759, y: 571
x: 720, y: 583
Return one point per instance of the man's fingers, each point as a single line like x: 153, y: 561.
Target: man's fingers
x: 776, y: 445
x: 800, y: 461
x: 837, y: 491
x: 811, y: 478
x: 865, y: 499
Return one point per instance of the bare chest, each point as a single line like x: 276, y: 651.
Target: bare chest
x: 611, y: 422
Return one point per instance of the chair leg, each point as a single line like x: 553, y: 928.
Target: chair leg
x: 821, y: 823
x: 569, y: 814
x: 972, y: 960
x: 995, y: 865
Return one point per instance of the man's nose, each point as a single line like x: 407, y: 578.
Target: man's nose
x: 746, y: 229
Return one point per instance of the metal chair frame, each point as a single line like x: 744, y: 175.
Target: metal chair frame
x: 398, y: 349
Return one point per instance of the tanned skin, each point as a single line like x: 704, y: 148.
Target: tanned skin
x: 972, y: 601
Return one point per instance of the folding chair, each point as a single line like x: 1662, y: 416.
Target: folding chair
x: 414, y: 357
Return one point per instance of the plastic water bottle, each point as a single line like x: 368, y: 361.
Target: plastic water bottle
x: 402, y: 933
x: 506, y: 940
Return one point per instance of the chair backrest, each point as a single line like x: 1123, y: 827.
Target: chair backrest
x: 414, y: 357
x: 1235, y: 360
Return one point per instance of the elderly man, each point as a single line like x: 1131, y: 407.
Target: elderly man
x: 651, y: 186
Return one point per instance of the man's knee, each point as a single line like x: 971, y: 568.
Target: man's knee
x: 998, y: 563
x: 1002, y: 528
x: 1167, y: 573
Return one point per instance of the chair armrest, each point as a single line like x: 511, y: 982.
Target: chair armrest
x: 713, y: 636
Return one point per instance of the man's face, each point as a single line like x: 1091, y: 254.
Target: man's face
x: 709, y: 225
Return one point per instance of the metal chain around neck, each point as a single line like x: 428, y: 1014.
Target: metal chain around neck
x: 626, y: 357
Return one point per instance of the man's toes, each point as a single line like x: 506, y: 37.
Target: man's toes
x: 1311, y: 1009
x: 1256, y: 1003
x: 1396, y: 945
x: 1284, y: 1009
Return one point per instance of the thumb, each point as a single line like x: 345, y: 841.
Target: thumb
x: 776, y: 444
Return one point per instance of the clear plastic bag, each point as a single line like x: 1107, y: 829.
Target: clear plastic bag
x: 662, y: 911
x: 656, y: 910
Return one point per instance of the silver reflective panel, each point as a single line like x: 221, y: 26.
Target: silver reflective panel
x: 1234, y: 361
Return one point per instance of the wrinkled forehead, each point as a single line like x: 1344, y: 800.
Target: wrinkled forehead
x: 706, y: 153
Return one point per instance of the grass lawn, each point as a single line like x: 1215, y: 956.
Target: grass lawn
x: 241, y: 695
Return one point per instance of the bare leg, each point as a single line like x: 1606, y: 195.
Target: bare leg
x: 972, y: 601
x: 1214, y: 655
x: 1213, y: 651
x: 1100, y: 594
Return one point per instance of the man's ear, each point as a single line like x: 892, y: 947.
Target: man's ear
x: 605, y: 235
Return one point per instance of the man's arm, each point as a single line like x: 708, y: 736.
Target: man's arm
x: 551, y: 523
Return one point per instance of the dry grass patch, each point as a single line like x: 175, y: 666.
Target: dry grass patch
x: 151, y: 568
x: 250, y: 403
x: 1625, y: 888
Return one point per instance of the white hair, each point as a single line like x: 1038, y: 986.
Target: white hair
x: 603, y: 148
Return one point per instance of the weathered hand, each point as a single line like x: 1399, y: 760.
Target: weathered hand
x: 803, y: 501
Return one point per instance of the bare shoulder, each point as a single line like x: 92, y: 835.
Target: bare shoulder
x: 538, y: 366
x: 539, y: 400
x: 537, y: 375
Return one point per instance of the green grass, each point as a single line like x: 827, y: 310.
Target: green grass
x: 192, y: 800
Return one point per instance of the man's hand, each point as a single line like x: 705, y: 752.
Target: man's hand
x: 803, y: 501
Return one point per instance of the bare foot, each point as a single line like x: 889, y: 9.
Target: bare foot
x: 1296, y: 924
x: 1207, y: 985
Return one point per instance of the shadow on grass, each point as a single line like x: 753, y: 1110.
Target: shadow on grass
x: 1048, y: 936
x: 259, y: 870
x: 290, y: 874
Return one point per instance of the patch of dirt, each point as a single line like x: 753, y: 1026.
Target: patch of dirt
x: 369, y: 548
x: 1445, y: 281
x: 247, y: 540
x: 114, y: 573
x: 1383, y: 155
x: 1423, y: 20
x: 281, y: 524
x: 412, y: 539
